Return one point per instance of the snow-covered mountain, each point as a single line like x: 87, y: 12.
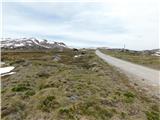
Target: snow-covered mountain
x: 22, y: 43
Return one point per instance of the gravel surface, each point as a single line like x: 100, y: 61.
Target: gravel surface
x: 150, y: 77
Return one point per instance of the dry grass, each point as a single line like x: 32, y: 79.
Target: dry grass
x: 83, y: 88
x: 138, y: 58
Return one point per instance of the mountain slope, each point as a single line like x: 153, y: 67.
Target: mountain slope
x: 30, y: 43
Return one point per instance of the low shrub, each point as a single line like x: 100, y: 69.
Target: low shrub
x: 67, y: 112
x: 48, y: 103
x: 129, y: 97
x: 123, y: 115
x: 152, y: 115
x: 20, y: 88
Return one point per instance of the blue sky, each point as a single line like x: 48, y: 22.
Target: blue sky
x: 85, y: 24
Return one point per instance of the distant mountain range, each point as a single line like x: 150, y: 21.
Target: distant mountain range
x: 30, y: 43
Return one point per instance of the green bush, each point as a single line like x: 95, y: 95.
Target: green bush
x: 48, y: 103
x: 129, y: 94
x: 68, y: 112
x: 123, y: 115
x: 20, y: 88
x: 129, y: 97
x: 64, y: 110
x: 153, y: 115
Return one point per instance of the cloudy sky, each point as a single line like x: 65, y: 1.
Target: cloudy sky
x: 112, y: 23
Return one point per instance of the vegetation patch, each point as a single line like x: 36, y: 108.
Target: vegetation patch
x: 129, y: 97
x: 49, y: 103
x: 153, y: 115
x: 20, y: 88
x: 30, y: 93
x: 72, y: 88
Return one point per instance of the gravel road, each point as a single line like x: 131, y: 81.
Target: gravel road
x: 149, y: 77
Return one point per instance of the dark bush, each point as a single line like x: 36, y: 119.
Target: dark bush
x: 48, y: 104
x: 20, y: 88
x: 129, y: 97
x: 153, y: 115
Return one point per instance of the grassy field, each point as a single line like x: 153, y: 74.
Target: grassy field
x: 138, y: 58
x: 72, y: 88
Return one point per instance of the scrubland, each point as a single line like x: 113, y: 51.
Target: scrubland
x: 70, y: 88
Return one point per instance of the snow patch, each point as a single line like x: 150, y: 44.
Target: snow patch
x: 77, y: 56
x: 19, y: 45
x: 14, y: 43
x: 10, y: 73
x: 39, y: 44
x: 6, y: 70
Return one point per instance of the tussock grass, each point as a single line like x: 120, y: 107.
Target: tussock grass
x: 82, y: 88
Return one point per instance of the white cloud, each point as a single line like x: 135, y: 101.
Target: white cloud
x: 110, y: 23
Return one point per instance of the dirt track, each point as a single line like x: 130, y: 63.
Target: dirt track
x: 140, y: 74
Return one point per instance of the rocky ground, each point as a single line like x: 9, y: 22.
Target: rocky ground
x: 70, y: 85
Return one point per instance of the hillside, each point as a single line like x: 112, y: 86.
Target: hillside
x: 70, y: 85
x: 21, y: 44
